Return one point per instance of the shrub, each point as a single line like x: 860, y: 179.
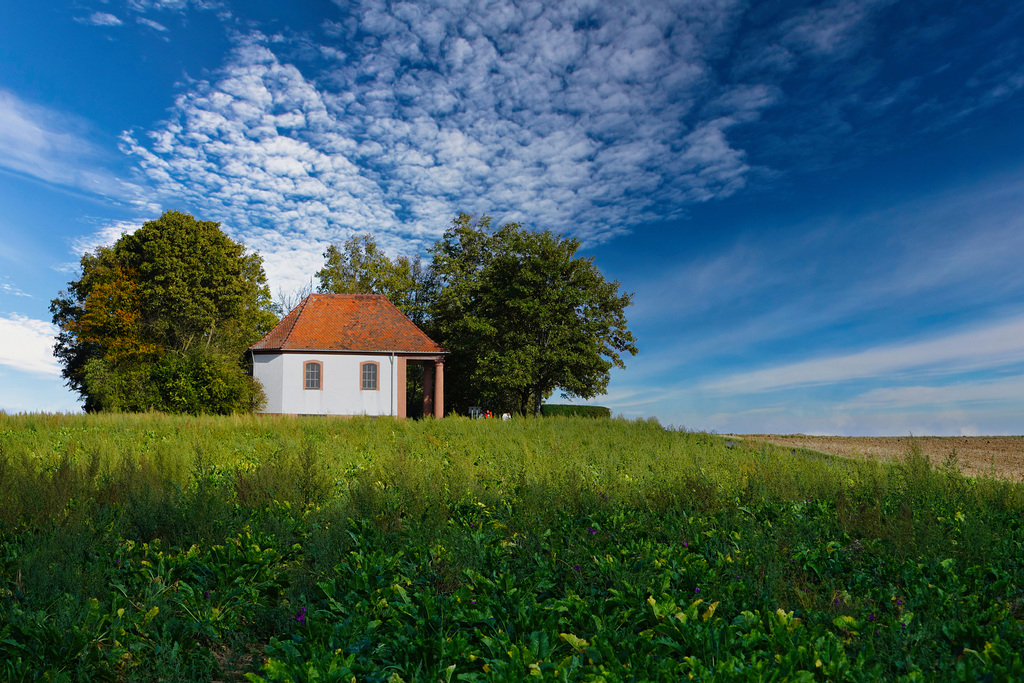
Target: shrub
x: 566, y: 410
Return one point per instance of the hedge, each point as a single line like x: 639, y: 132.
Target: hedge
x: 565, y: 410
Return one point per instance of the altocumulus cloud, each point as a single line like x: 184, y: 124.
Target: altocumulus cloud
x: 586, y: 118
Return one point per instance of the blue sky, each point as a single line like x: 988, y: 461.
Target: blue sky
x: 818, y: 206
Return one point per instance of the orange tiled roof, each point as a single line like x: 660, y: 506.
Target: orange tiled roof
x: 347, y: 322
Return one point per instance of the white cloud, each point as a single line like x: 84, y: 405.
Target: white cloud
x: 101, y: 19
x: 27, y: 344
x: 798, y: 287
x: 587, y: 118
x: 575, y: 118
x: 8, y: 288
x: 52, y: 147
x: 835, y: 30
x: 104, y: 237
x: 173, y: 5
x: 995, y: 346
x: 945, y: 256
x: 1007, y: 390
x: 155, y: 25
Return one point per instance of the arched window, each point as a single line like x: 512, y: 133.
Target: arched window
x: 368, y: 373
x: 313, y: 371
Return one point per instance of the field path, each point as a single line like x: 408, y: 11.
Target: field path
x: 1003, y: 455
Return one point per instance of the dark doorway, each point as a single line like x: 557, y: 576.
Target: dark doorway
x: 414, y: 390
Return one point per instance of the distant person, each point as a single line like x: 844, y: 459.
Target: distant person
x: 506, y: 416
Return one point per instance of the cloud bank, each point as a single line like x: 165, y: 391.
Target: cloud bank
x: 580, y: 118
x: 587, y: 118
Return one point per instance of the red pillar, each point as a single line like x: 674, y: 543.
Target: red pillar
x: 439, y: 388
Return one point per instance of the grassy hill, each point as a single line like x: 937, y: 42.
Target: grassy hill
x: 178, y: 548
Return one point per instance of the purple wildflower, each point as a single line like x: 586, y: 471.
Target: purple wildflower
x: 301, y: 616
x: 593, y: 531
x: 696, y: 590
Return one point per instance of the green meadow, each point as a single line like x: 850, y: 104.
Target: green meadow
x: 160, y: 548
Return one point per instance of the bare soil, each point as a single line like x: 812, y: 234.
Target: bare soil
x: 1000, y: 456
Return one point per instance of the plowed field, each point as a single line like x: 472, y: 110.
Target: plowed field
x: 999, y: 455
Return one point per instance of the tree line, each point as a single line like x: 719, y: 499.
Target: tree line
x: 162, y: 319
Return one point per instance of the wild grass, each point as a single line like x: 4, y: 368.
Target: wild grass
x: 251, y: 536
x: 49, y: 464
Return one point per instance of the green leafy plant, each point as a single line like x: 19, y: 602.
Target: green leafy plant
x: 158, y: 547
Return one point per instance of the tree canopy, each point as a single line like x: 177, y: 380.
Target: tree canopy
x: 360, y: 267
x: 519, y: 312
x: 161, y: 320
x: 522, y: 316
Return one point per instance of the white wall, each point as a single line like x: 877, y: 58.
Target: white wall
x: 283, y: 378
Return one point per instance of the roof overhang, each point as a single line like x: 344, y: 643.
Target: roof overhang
x: 364, y: 352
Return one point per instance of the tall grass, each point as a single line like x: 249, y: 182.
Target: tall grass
x: 596, y: 517
x: 52, y: 465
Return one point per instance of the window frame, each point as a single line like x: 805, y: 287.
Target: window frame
x: 319, y: 375
x: 376, y: 375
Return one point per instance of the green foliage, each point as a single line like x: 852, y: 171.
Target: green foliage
x: 523, y: 316
x: 520, y: 314
x: 161, y: 321
x: 360, y: 267
x: 566, y: 410
x: 153, y: 547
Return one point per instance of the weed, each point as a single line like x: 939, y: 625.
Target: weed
x: 197, y: 548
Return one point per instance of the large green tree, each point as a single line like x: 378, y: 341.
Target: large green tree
x: 161, y: 320
x: 522, y: 316
x: 359, y: 266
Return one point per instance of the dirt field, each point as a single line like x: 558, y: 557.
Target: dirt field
x: 1003, y: 455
